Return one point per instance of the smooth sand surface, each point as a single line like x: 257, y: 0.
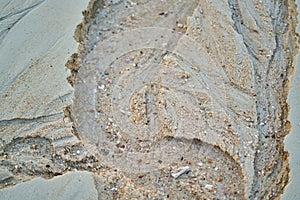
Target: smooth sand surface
x: 73, y: 186
x: 292, y: 141
x: 36, y: 41
x: 33, y: 54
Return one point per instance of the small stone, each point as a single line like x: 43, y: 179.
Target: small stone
x: 208, y: 187
x: 183, y: 170
x: 132, y: 17
x: 101, y: 87
x: 179, y: 25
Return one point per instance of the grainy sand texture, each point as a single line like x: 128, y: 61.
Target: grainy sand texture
x: 156, y: 100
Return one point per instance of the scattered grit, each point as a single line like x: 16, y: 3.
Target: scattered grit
x: 173, y: 99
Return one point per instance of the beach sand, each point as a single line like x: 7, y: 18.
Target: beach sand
x: 293, y: 139
x: 210, y: 114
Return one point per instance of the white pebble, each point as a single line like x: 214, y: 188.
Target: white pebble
x: 209, y: 187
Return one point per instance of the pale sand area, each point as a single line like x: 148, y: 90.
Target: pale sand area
x: 293, y: 139
x: 35, y: 49
x: 43, y: 40
x: 35, y: 43
x: 78, y: 185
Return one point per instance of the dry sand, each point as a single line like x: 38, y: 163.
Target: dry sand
x: 38, y: 137
x: 243, y: 53
x: 293, y: 139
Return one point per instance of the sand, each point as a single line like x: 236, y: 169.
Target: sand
x: 242, y: 70
x: 45, y: 135
x: 293, y: 139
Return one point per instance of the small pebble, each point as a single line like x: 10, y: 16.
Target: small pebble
x: 179, y: 25
x: 208, y: 187
x: 101, y: 87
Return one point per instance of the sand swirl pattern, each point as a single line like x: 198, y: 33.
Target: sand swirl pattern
x: 167, y: 100
x: 143, y: 95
